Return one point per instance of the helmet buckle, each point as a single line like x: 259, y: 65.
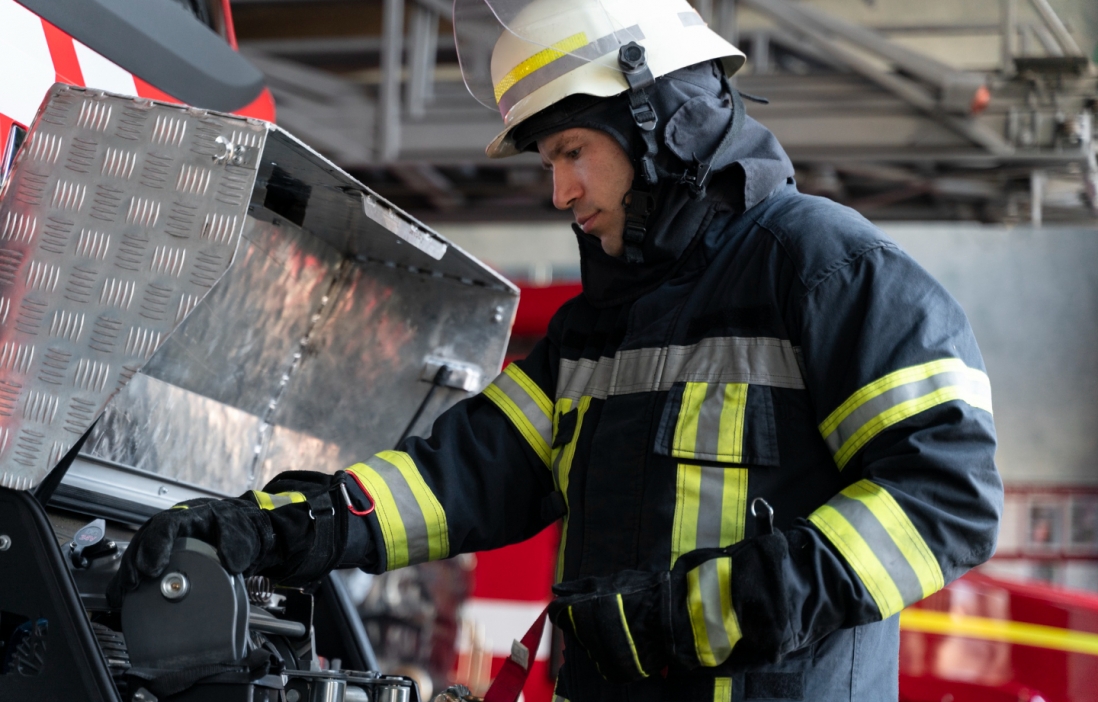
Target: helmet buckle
x: 696, y: 178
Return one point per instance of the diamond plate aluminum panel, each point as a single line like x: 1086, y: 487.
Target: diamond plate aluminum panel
x: 119, y: 217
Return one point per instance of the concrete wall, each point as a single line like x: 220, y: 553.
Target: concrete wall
x: 1032, y: 298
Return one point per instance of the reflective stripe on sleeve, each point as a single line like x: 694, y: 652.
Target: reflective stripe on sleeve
x: 268, y: 500
x: 710, y: 508
x: 898, y: 396
x: 754, y: 360
x: 528, y: 408
x: 413, y: 523
x: 629, y: 637
x: 873, y: 535
x: 709, y: 605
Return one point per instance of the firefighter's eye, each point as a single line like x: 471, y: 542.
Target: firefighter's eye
x: 573, y: 154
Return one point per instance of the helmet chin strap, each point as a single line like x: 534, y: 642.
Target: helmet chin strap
x: 639, y: 202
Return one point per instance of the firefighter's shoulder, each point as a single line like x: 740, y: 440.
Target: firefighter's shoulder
x: 820, y: 235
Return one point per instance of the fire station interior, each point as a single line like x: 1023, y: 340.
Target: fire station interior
x: 366, y: 257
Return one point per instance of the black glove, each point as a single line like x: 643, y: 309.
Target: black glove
x: 237, y: 528
x: 634, y: 624
x: 293, y: 540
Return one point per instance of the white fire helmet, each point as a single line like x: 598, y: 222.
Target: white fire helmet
x: 521, y: 56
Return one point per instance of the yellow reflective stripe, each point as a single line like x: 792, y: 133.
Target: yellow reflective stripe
x: 734, y: 506
x: 686, y: 428
x: 696, y: 610
x: 879, y: 386
x: 438, y: 533
x: 629, y: 637
x: 539, y: 60
x: 722, y: 689
x: 710, y: 424
x: 684, y: 528
x: 181, y: 506
x: 896, y: 415
x: 710, y: 508
x: 1021, y: 633
x: 713, y: 620
x: 388, y: 516
x: 562, y: 468
x: 904, y: 534
x: 733, y: 413
x: 861, y: 558
x: 530, y: 409
x: 898, y: 396
x: 267, y: 500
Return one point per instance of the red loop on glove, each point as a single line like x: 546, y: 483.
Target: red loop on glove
x: 512, y: 677
x: 350, y: 505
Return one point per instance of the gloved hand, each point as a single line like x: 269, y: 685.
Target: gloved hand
x: 237, y: 528
x: 715, y: 605
x: 294, y: 531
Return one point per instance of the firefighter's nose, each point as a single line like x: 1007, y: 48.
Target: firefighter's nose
x: 567, y: 189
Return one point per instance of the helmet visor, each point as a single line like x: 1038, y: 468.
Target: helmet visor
x: 537, y: 40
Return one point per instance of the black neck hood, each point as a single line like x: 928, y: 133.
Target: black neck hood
x: 695, y: 109
x: 756, y: 165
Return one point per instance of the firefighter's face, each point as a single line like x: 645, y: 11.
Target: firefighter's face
x: 591, y: 175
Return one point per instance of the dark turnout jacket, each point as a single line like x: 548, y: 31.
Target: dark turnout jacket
x: 794, y: 353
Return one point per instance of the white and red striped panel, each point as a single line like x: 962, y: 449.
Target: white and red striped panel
x: 34, y: 55
x: 511, y: 587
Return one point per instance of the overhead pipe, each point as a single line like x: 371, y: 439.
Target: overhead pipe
x: 961, y: 92
x: 1056, y: 26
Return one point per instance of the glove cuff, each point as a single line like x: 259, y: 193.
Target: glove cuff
x: 312, y: 535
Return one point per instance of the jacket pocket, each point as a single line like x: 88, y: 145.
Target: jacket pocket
x: 721, y: 422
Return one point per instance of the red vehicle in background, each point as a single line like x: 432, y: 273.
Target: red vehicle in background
x: 180, y: 51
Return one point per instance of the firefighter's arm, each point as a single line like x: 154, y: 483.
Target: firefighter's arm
x: 477, y: 482
x: 904, y: 406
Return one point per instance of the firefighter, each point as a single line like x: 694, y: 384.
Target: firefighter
x: 766, y: 428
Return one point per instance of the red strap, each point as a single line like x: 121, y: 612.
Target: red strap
x: 508, y: 684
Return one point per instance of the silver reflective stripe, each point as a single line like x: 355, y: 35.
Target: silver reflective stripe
x: 415, y: 526
x: 882, y: 546
x: 709, y: 582
x: 756, y: 360
x: 711, y: 514
x: 584, y: 377
x: 531, y: 410
x: 567, y: 62
x: 709, y: 421
x: 875, y: 407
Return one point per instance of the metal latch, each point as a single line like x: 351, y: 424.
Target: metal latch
x: 458, y: 375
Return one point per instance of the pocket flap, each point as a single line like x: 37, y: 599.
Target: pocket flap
x: 722, y: 422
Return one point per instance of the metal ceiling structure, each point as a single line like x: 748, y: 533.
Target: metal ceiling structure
x: 867, y: 120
